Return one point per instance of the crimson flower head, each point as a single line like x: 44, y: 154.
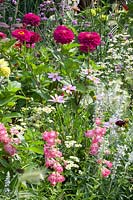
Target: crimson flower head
x: 89, y: 41
x: 31, y: 19
x: 2, y: 35
x: 22, y: 35
x: 34, y: 37
x: 63, y: 35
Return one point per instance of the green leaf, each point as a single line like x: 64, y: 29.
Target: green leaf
x: 14, y: 86
x: 38, y: 150
x: 13, y: 115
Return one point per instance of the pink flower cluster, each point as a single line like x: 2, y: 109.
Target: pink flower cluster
x: 26, y: 36
x: 31, y: 19
x: 63, y: 35
x: 89, y: 41
x: 8, y: 141
x: 97, y: 136
x: 104, y: 170
x: 53, y: 157
x: 2, y: 35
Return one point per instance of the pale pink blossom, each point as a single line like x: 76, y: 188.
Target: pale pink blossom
x: 98, y: 121
x: 90, y: 133
x: 94, y: 79
x: 55, y: 178
x: 57, y: 99
x: 14, y: 131
x: 100, y: 131
x: 105, y: 172
x: 54, y: 76
x: 10, y: 149
x: 69, y: 88
x: 49, y: 162
x: 108, y: 163
x: 94, y: 149
x: 57, y: 167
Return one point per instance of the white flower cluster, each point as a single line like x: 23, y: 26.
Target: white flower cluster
x: 71, y: 163
x: 72, y: 143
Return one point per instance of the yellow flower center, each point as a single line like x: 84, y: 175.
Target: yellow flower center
x: 21, y: 32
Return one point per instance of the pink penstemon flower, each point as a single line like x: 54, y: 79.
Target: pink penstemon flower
x: 69, y: 88
x: 108, y: 163
x: 54, y: 76
x: 57, y: 99
x: 105, y: 172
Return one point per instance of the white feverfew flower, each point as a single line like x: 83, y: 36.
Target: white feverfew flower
x: 76, y: 159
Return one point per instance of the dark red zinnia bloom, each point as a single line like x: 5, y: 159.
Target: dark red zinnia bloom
x: 63, y: 35
x: 34, y: 37
x: 90, y: 40
x: 31, y: 19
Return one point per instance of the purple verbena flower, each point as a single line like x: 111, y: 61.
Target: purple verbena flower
x: 54, y: 76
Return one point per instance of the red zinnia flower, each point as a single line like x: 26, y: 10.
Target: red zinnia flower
x: 34, y: 37
x: 63, y: 35
x: 2, y: 35
x: 89, y: 41
x: 21, y: 34
x: 31, y: 19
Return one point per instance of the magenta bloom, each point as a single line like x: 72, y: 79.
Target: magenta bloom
x: 69, y: 88
x: 63, y: 35
x: 22, y: 35
x: 89, y: 41
x: 29, y: 37
x: 2, y: 35
x: 54, y: 76
x: 31, y: 19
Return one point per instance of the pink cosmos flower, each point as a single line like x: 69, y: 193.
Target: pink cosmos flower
x: 89, y: 41
x: 54, y: 76
x: 63, y: 35
x: 31, y: 19
x: 2, y: 35
x: 69, y: 88
x: 105, y: 172
x: 57, y: 99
